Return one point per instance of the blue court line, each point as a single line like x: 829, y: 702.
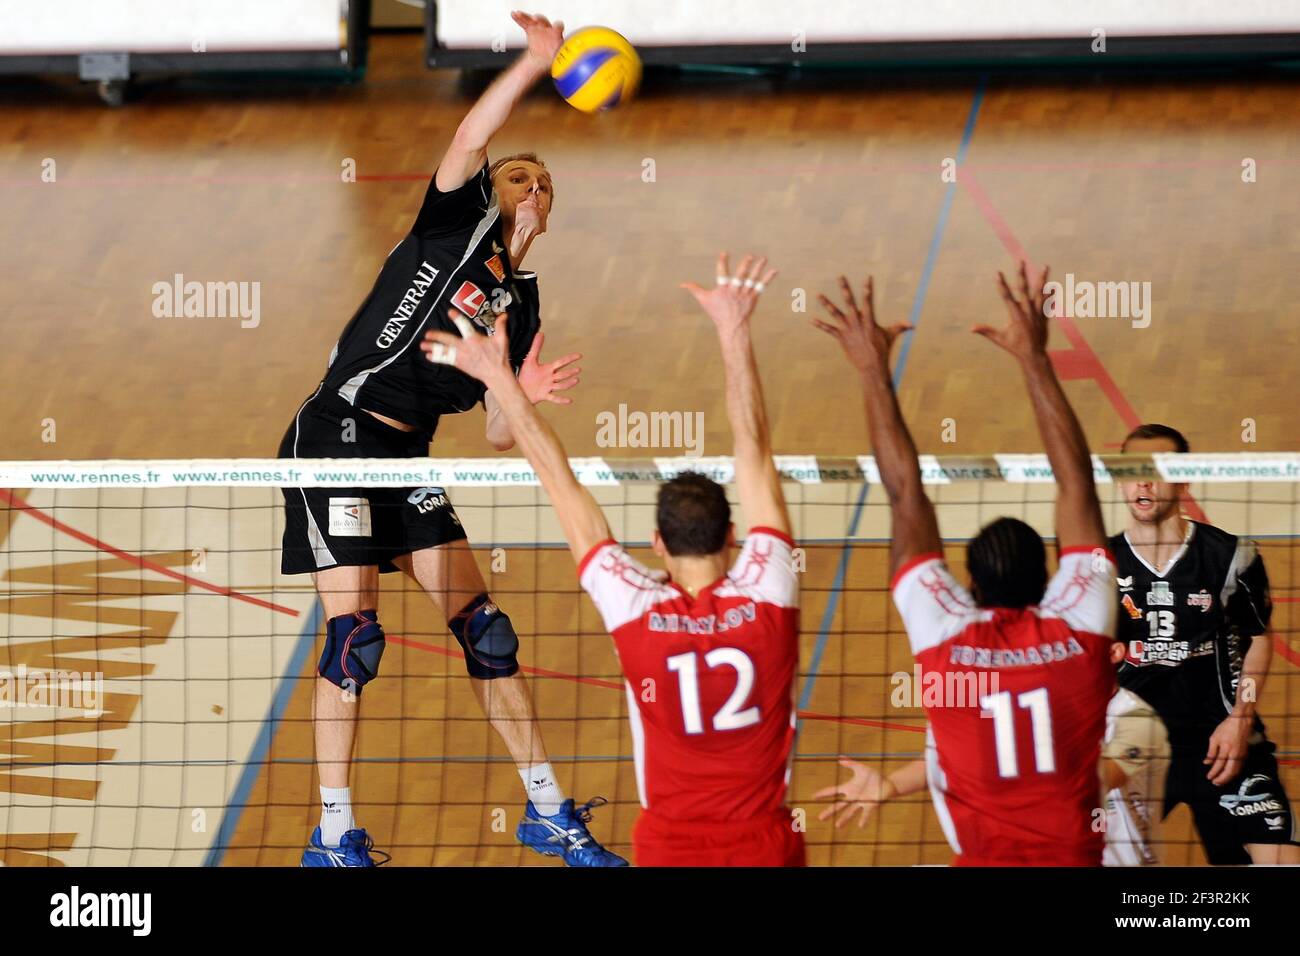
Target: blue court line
x: 265, y: 734
x: 931, y: 257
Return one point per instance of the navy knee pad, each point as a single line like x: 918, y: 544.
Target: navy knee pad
x: 488, y: 639
x: 354, y: 643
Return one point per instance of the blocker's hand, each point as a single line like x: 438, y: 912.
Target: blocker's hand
x: 1025, y: 334
x: 483, y: 357
x: 865, y: 342
x: 731, y: 301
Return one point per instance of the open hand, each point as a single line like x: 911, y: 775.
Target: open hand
x: 481, y: 356
x: 544, y: 37
x: 861, y: 794
x: 541, y: 382
x: 1025, y: 334
x: 865, y: 342
x: 731, y: 301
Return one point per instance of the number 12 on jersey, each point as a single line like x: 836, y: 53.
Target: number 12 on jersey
x: 729, y: 716
x: 1004, y: 730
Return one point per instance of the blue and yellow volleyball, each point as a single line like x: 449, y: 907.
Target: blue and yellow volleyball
x: 596, y: 69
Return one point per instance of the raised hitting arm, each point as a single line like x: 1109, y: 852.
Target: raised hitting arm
x: 915, y: 530
x: 1078, y: 512
x: 468, y: 150
x: 729, y: 304
x: 488, y: 360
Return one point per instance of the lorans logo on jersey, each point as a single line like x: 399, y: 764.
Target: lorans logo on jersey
x: 424, y: 277
x: 1160, y: 595
x: 1204, y: 600
x: 473, y: 301
x: 1253, y: 797
x: 427, y: 499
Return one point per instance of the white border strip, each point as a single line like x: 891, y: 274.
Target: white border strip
x: 494, y: 472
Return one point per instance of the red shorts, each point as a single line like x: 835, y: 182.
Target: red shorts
x: 769, y: 840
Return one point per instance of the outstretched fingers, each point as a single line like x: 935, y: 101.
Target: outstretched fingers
x: 848, y: 295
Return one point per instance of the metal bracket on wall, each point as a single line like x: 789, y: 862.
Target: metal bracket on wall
x: 104, y: 66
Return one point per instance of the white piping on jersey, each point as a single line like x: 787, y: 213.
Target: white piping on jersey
x: 938, y: 786
x: 1187, y: 541
x: 314, y: 537
x: 1243, y: 554
x: 638, y: 743
x: 350, y: 388
x: 1218, y: 672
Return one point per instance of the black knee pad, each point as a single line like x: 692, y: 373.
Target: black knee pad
x: 488, y: 639
x: 354, y: 643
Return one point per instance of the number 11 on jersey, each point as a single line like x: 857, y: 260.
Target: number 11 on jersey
x: 1004, y: 729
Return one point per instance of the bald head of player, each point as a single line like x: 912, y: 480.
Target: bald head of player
x: 1152, y: 502
x: 522, y: 184
x: 692, y: 524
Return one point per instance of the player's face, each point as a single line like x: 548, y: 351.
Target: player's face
x: 521, y: 183
x: 1151, y: 501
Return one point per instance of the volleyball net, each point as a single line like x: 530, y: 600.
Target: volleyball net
x: 156, y: 668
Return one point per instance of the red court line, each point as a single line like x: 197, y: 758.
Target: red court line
x: 684, y: 172
x: 612, y: 685
x: 16, y: 502
x: 539, y: 671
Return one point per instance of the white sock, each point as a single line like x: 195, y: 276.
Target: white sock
x: 540, y: 785
x: 335, y: 814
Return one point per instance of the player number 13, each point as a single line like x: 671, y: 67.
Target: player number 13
x: 730, y: 716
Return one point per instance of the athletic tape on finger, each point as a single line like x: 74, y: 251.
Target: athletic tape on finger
x: 442, y: 354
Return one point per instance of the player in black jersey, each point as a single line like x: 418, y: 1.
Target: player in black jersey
x: 380, y: 398
x: 1194, y: 612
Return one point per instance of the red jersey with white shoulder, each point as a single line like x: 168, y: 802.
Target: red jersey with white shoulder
x: 709, y: 681
x: 1017, y: 731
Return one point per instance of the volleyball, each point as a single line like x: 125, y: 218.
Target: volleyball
x: 596, y: 69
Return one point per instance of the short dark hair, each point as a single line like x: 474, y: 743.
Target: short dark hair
x: 523, y: 158
x: 1008, y: 564
x: 692, y: 515
x: 1153, y: 430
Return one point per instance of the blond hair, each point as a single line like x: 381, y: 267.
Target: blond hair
x: 523, y: 158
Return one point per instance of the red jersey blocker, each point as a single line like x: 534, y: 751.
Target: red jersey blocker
x: 1013, y: 769
x: 710, y: 688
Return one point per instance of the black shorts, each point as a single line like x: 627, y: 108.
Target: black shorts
x: 351, y: 527
x: 1252, y: 808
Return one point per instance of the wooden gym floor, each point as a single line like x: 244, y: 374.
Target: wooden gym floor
x: 1110, y: 179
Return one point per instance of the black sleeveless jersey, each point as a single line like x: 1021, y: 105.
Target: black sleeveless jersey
x: 1187, y: 630
x: 455, y: 256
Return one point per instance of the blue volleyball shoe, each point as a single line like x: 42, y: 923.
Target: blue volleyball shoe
x: 566, y: 835
x: 353, y: 850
